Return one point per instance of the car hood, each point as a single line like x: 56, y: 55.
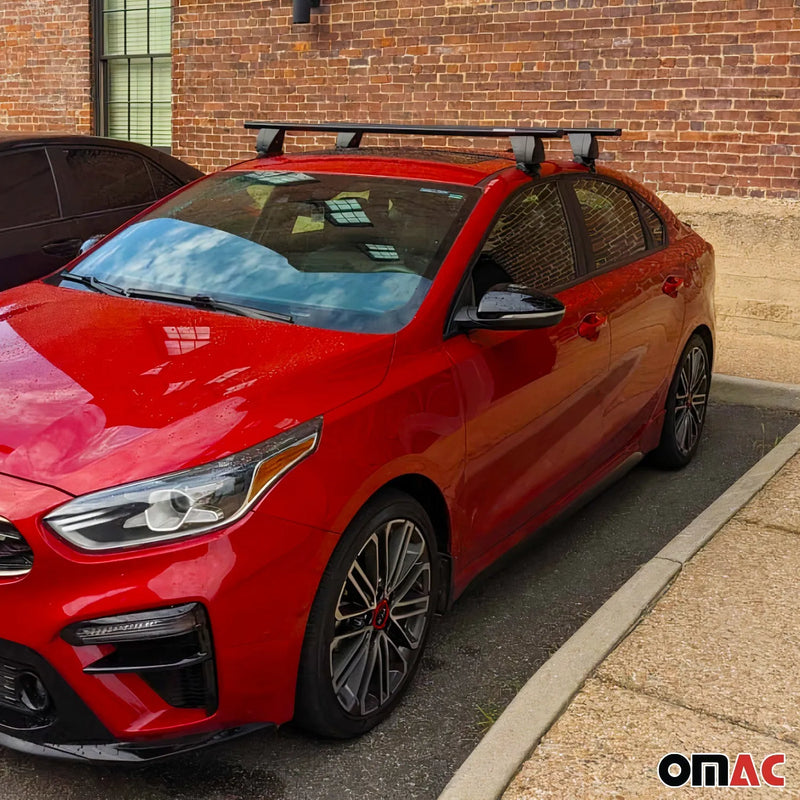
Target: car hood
x: 96, y: 391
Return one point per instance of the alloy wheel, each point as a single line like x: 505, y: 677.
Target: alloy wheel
x: 381, y: 617
x: 691, y: 397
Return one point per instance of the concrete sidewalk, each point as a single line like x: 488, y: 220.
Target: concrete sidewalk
x: 712, y: 669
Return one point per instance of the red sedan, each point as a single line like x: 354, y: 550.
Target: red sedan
x: 256, y: 438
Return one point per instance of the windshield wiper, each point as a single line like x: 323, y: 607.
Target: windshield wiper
x: 197, y: 300
x: 205, y: 301
x: 93, y: 283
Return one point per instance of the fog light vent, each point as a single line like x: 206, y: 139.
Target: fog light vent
x: 168, y: 648
x: 16, y: 556
x: 31, y: 692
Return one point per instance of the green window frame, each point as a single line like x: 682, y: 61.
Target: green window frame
x: 134, y: 70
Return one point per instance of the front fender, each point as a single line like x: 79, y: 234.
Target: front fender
x: 412, y: 424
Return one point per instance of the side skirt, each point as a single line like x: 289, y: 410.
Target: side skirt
x: 496, y: 558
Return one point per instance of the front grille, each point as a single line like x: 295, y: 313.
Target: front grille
x: 16, y: 556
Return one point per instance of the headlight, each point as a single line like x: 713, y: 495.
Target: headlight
x: 183, y: 503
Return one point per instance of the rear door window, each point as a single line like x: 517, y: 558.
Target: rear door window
x: 99, y: 179
x: 27, y: 190
x: 612, y: 221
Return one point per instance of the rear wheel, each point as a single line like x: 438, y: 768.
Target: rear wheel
x: 370, y: 619
x: 686, y: 407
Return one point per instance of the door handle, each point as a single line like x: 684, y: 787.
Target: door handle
x: 62, y: 247
x: 672, y: 284
x: 590, y: 325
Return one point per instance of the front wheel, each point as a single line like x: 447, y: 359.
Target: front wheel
x: 370, y: 619
x: 686, y: 407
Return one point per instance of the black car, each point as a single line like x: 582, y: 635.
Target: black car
x: 58, y: 189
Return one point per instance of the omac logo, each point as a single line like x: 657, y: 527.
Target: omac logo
x: 714, y: 769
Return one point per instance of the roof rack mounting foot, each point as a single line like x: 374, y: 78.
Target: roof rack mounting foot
x: 584, y: 143
x: 529, y: 152
x: 269, y: 141
x: 348, y: 139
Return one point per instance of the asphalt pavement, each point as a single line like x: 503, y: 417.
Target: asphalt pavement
x: 479, y: 655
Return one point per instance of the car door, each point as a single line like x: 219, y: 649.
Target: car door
x: 641, y: 295
x: 532, y: 399
x: 100, y: 187
x: 33, y: 235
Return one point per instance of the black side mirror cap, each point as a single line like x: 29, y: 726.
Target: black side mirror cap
x: 510, y: 307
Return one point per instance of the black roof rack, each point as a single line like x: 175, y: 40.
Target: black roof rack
x: 525, y: 142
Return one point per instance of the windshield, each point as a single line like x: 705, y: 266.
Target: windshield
x: 332, y: 251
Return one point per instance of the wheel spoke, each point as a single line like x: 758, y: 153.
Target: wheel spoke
x: 351, y: 663
x: 412, y: 576
x: 697, y: 417
x: 366, y: 589
x: 367, y: 675
x: 384, y: 669
x: 694, y: 431
x: 699, y: 376
x: 395, y: 630
x: 398, y: 549
x: 682, y: 430
x: 411, y: 608
x: 399, y: 651
x: 682, y: 390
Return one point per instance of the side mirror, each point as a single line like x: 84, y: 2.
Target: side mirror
x: 509, y: 307
x: 91, y: 242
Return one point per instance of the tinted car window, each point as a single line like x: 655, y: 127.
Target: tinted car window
x: 163, y: 183
x: 100, y: 179
x: 612, y: 221
x: 27, y: 190
x: 530, y: 243
x: 333, y: 251
x: 653, y: 223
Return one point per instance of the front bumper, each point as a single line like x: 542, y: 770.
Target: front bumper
x: 256, y: 581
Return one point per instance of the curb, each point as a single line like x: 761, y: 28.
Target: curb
x: 743, y: 391
x: 495, y: 761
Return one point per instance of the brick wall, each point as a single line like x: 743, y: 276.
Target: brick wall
x: 45, y: 65
x: 706, y: 90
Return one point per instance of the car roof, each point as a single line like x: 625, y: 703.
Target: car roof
x: 468, y: 167
x: 10, y: 140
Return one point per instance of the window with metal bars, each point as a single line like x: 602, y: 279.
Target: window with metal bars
x: 134, y: 70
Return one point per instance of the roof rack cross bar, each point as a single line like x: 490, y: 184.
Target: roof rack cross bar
x: 526, y: 142
x: 584, y: 143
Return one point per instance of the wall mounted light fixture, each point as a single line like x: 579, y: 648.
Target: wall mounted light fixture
x: 301, y: 11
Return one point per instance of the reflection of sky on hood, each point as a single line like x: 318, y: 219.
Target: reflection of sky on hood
x: 177, y: 256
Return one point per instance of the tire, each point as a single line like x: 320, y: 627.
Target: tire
x: 686, y: 407
x: 359, y: 654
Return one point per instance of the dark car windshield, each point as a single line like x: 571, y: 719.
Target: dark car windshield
x: 332, y: 251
